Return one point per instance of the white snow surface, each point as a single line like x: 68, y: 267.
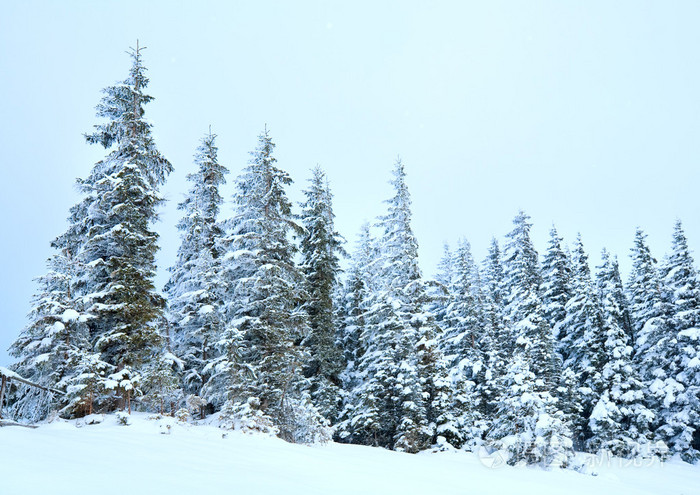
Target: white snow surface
x: 164, y: 456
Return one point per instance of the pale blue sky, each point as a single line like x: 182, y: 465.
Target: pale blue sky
x: 585, y: 114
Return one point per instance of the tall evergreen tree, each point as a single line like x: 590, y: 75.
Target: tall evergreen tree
x: 647, y: 306
x: 400, y: 400
x: 619, y: 420
x: 356, y: 299
x: 463, y: 318
x: 110, y: 232
x: 584, y: 337
x: 493, y: 293
x: 556, y: 286
x: 467, y: 346
x: 320, y: 248
x: 613, y: 284
x: 679, y: 424
x: 529, y: 423
x: 524, y: 307
x: 653, y: 334
x: 194, y: 289
x: 264, y: 296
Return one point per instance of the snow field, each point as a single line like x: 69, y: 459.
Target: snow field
x: 108, y: 458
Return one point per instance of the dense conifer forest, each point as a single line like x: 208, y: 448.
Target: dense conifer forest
x: 535, y: 354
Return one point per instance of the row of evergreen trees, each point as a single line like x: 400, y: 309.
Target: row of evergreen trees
x: 534, y: 358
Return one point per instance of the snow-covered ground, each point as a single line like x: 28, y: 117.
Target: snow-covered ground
x: 107, y: 458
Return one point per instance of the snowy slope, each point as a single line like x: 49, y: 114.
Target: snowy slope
x: 59, y: 458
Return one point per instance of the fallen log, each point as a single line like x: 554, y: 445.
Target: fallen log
x: 12, y: 376
x: 5, y: 422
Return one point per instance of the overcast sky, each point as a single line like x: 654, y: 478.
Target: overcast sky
x: 584, y: 114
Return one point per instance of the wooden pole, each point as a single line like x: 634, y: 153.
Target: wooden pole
x: 2, y: 393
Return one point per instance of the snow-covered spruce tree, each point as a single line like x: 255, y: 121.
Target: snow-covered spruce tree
x: 619, y: 421
x: 445, y: 269
x: 529, y: 425
x: 264, y: 293
x: 320, y: 248
x: 556, y: 283
x: 524, y: 306
x: 441, y: 291
x: 462, y: 344
x: 496, y: 328
x: 462, y: 321
x: 359, y: 424
x: 400, y: 398
x: 356, y: 296
x: 654, y: 339
x: 161, y: 383
x: 679, y: 417
x: 613, y: 284
x: 647, y: 307
x: 584, y: 338
x: 421, y: 414
x: 110, y: 233
x: 53, y: 347
x: 195, y: 287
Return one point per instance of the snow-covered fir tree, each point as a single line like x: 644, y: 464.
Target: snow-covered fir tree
x: 463, y: 345
x: 648, y: 309
x: 401, y: 398
x: 529, y: 425
x: 556, y: 282
x: 357, y: 294
x: 653, y: 333
x: 53, y: 347
x: 679, y: 414
x: 496, y: 327
x: 583, y: 337
x: 320, y: 248
x: 523, y: 302
x: 195, y: 287
x: 264, y: 295
x: 619, y: 420
x: 613, y: 283
x: 463, y: 318
x: 110, y: 234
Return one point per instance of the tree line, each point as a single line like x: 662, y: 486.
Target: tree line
x: 258, y: 323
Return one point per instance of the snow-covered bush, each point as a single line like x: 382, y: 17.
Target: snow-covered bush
x: 196, y: 405
x: 123, y: 418
x: 247, y: 417
x: 303, y: 423
x: 182, y: 415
